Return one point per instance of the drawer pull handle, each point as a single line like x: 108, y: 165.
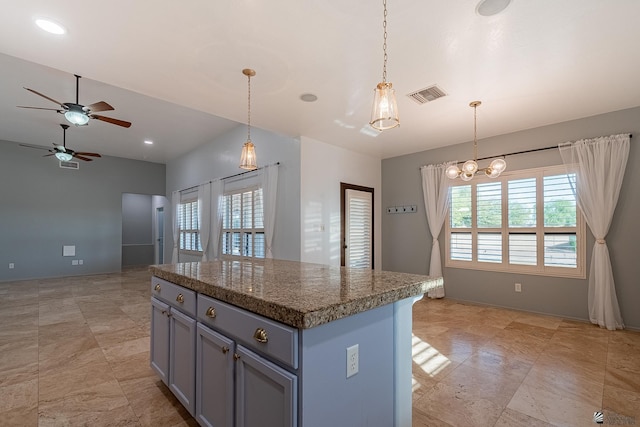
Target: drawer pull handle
x: 261, y: 335
x: 180, y: 298
x: 157, y: 288
x: 236, y: 356
x: 225, y: 349
x: 211, y: 312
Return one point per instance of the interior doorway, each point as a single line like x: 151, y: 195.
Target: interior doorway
x: 160, y: 235
x: 356, y: 226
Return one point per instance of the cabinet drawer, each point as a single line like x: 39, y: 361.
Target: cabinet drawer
x: 174, y: 295
x: 277, y: 340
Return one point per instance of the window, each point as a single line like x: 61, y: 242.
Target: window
x: 189, y: 227
x: 522, y: 222
x: 243, y: 224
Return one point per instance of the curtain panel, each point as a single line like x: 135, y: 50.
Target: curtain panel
x: 435, y: 189
x: 600, y: 164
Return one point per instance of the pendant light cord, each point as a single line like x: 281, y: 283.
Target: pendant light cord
x: 475, y: 132
x: 249, y: 108
x: 384, y: 42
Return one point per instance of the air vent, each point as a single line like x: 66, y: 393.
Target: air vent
x: 428, y: 94
x: 69, y: 165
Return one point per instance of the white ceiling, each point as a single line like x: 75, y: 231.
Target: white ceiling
x: 173, y: 69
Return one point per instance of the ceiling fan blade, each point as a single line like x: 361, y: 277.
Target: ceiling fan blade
x: 111, y: 120
x: 46, y: 97
x: 39, y: 147
x: 88, y: 154
x: 86, y: 159
x: 47, y: 155
x: 99, y: 106
x: 40, y: 108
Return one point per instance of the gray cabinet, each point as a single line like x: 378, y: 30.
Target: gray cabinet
x: 236, y: 386
x: 173, y: 339
x: 265, y: 393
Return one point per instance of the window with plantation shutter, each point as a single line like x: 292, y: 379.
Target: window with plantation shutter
x: 523, y: 222
x: 243, y: 224
x: 189, y: 227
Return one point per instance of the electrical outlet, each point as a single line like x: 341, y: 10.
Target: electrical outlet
x: 80, y: 262
x: 352, y: 360
x: 11, y: 265
x: 518, y: 287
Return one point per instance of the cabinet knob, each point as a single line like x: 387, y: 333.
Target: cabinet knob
x: 225, y: 349
x: 236, y: 356
x: 180, y: 298
x: 211, y: 312
x: 157, y: 287
x: 260, y: 335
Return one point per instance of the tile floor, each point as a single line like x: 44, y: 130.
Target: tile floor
x: 74, y: 352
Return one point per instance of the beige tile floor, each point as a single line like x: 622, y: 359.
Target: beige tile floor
x: 74, y: 352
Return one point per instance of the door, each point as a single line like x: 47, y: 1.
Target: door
x: 160, y: 339
x: 266, y: 394
x: 356, y: 226
x: 182, y: 359
x: 159, y: 235
x: 214, y: 378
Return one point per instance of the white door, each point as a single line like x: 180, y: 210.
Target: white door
x: 160, y: 236
x: 358, y: 228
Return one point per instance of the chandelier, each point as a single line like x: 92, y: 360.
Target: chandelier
x: 470, y: 167
x: 248, y: 157
x: 385, y: 110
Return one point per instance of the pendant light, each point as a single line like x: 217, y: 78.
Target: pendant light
x: 470, y: 167
x: 248, y: 158
x: 385, y: 110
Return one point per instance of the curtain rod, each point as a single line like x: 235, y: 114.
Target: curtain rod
x: 227, y: 177
x: 525, y: 151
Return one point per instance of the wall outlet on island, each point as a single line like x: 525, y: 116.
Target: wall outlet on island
x: 518, y: 287
x: 352, y: 360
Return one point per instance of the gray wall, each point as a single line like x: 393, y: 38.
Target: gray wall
x: 407, y: 242
x: 221, y: 157
x: 44, y: 207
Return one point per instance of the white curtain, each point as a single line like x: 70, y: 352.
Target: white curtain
x: 600, y: 164
x: 217, y: 189
x: 269, y: 193
x: 435, y: 189
x: 204, y: 217
x: 175, y: 202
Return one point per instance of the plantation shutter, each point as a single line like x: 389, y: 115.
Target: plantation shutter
x: 359, y: 228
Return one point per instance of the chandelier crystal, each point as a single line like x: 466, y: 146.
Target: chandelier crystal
x: 470, y: 167
x: 248, y: 159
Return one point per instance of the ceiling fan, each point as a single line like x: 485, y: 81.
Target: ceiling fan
x: 62, y: 152
x: 77, y: 113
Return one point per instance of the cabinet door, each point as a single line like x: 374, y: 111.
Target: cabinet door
x: 214, y: 378
x: 159, y: 353
x: 182, y: 359
x: 266, y: 394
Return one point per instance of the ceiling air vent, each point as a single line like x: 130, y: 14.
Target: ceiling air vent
x: 428, y: 94
x: 69, y: 165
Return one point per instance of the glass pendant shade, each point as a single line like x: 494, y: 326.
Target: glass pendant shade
x: 248, y: 157
x: 452, y: 172
x: 466, y: 176
x: 470, y: 166
x: 65, y: 157
x: 385, y: 109
x: 76, y: 117
x: 498, y: 165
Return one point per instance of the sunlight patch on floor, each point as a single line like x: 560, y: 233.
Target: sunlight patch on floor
x: 428, y: 358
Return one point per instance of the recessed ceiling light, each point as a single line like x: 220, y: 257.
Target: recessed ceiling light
x: 50, y: 26
x: 148, y: 142
x: 308, y: 97
x: 491, y: 7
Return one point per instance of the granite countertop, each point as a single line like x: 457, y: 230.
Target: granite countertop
x: 302, y: 295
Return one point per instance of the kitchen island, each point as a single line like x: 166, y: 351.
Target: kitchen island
x: 285, y: 343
